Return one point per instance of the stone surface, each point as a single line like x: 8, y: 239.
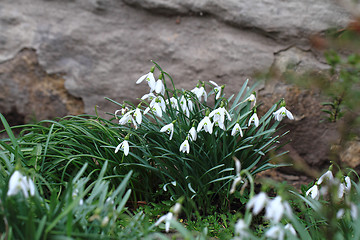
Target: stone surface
x: 100, y: 48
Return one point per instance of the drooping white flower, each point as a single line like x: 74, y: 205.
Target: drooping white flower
x: 251, y: 98
x: 341, y: 190
x: 218, y: 116
x: 169, y: 129
x: 128, y: 118
x: 328, y: 176
x: 347, y: 184
x: 241, y: 229
x: 185, y: 147
x: 124, y: 146
x: 274, y: 209
x: 156, y: 109
x: 314, y: 192
x: 122, y: 110
x: 166, y: 218
x: 206, y: 124
x: 217, y: 89
x: 159, y: 87
x: 254, y: 118
x: 238, y: 179
x: 236, y: 129
x: 149, y: 96
x: 290, y: 228
x: 340, y: 213
x: 138, y: 116
x: 173, y: 103
x: 18, y: 183
x: 200, y: 92
x: 149, y: 79
x: 281, y: 113
x: 186, y: 105
x: 257, y: 202
x: 192, y: 134
x: 160, y: 101
x: 353, y: 211
x: 275, y: 232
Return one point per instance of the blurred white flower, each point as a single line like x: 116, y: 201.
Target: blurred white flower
x: 237, y: 180
x: 149, y: 96
x: 290, y: 228
x: 275, y: 232
x: 123, y: 111
x: 166, y: 218
x: 173, y: 103
x: 254, y: 118
x: 206, y: 124
x: 18, y: 183
x: 75, y: 194
x: 257, y: 202
x: 281, y: 113
x: 314, y: 191
x: 347, y: 184
x: 185, y: 147
x: 200, y: 92
x: 192, y: 134
x: 241, y: 230
x: 236, y: 129
x: 328, y: 176
x: 340, y: 213
x: 274, y: 209
x: 124, y: 146
x: 169, y: 129
x: 341, y: 190
x: 138, y: 116
x: 353, y: 211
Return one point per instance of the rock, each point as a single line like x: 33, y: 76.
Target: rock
x: 101, y: 47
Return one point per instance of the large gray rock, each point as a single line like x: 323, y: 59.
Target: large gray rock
x: 101, y: 47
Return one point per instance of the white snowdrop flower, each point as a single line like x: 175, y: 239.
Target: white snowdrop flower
x: 184, y: 106
x: 160, y: 101
x: 156, y: 109
x: 105, y: 221
x: 75, y: 193
x: 218, y: 116
x: 328, y: 176
x: 18, y: 183
x: 206, y: 124
x: 238, y: 179
x: 254, y: 118
x: 169, y: 129
x: 290, y: 228
x: 127, y: 118
x: 192, y: 134
x: 173, y: 103
x: 236, y: 129
x: 149, y: 79
x: 251, y: 98
x: 281, y: 113
x: 340, y: 213
x: 314, y: 191
x: 149, y: 96
x: 176, y: 208
x: 124, y: 146
x: 166, y: 218
x: 217, y: 89
x: 138, y: 116
x: 241, y: 229
x: 159, y: 87
x: 347, y: 184
x: 353, y: 211
x: 200, y: 92
x: 185, y: 147
x: 341, y: 190
x: 257, y: 202
x: 122, y: 110
x: 275, y: 232
x: 274, y: 209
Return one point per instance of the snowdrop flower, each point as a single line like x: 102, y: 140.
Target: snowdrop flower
x: 18, y: 183
x: 150, y: 80
x: 290, y: 228
x: 281, y: 113
x: 138, y: 116
x: 341, y: 189
x: 186, y: 105
x: 192, y: 134
x: 149, y: 96
x: 166, y: 218
x: 185, y: 147
x: 274, y: 209
x: 217, y: 89
x: 123, y: 111
x: 275, y: 232
x: 237, y: 180
x: 200, y: 92
x: 328, y: 176
x: 160, y: 101
x: 124, y: 146
x: 314, y: 191
x: 75, y: 194
x: 156, y: 109
x: 218, y: 116
x: 159, y: 87
x: 347, y: 184
x: 206, y: 124
x: 340, y: 213
x: 241, y: 229
x: 128, y: 118
x: 353, y: 211
x: 236, y: 129
x: 173, y: 103
x: 169, y: 129
x: 254, y: 118
x: 251, y: 98
x: 257, y: 202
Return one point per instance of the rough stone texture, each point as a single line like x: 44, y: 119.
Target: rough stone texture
x: 100, y: 48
